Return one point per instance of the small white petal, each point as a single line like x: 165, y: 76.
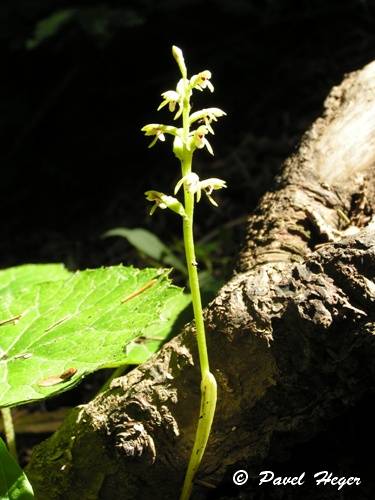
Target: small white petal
x: 164, y: 103
x: 211, y: 200
x: 209, y: 128
x: 178, y: 114
x: 208, y: 146
x: 178, y: 185
x: 210, y: 86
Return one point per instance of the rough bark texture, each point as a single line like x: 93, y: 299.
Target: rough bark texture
x: 290, y: 336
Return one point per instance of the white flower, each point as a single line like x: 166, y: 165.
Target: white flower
x: 163, y: 201
x: 210, y: 185
x: 171, y: 97
x: 207, y: 116
x: 202, y: 80
x: 158, y: 130
x: 199, y: 138
x: 195, y: 186
x: 192, y: 184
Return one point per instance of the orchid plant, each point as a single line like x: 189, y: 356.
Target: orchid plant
x: 187, y: 140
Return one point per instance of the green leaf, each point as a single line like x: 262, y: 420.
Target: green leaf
x: 54, y: 333
x: 16, y: 278
x: 150, y: 245
x: 100, y: 22
x: 50, y: 26
x: 14, y: 484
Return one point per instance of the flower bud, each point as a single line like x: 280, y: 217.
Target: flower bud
x: 179, y: 57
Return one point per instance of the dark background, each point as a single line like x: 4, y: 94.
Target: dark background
x: 75, y: 93
x: 78, y: 82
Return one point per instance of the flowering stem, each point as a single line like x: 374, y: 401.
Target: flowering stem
x: 184, y: 145
x: 208, y: 382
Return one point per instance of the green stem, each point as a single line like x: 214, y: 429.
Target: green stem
x: 208, y: 383
x: 194, y: 281
x: 206, y: 416
x: 10, y: 435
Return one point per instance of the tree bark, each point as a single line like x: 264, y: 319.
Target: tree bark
x: 289, y: 336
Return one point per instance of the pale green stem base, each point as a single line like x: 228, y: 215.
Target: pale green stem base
x: 10, y: 435
x: 206, y: 416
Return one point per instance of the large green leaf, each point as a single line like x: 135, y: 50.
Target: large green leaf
x: 16, y: 278
x: 54, y: 333
x: 14, y: 484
